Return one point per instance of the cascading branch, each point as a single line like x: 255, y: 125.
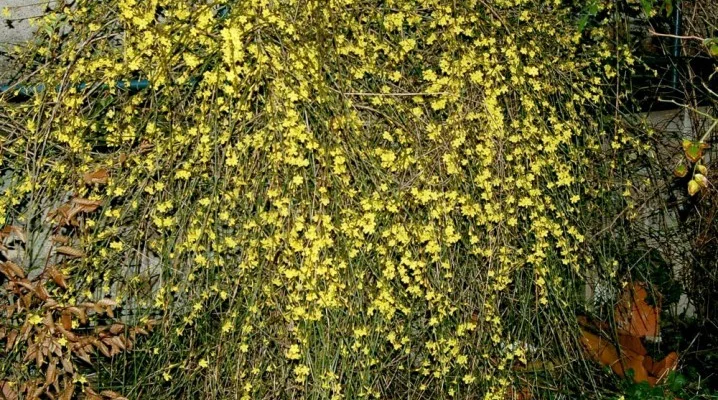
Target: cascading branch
x: 340, y: 199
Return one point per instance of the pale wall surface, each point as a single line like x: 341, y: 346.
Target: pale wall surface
x: 20, y: 11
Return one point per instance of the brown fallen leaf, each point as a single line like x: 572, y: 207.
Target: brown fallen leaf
x: 70, y: 252
x: 601, y: 350
x: 8, y: 391
x: 86, y: 205
x: 57, y: 276
x: 660, y: 369
x: 107, y: 303
x: 60, y: 239
x: 631, y: 345
x: 96, y: 177
x: 635, y: 363
x: 110, y: 394
x: 634, y: 316
x: 11, y: 270
x: 12, y: 231
x: 66, y: 320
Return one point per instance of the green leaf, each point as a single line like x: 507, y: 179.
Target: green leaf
x: 713, y: 50
x: 693, y: 149
x: 590, y: 10
x: 647, y: 6
x: 681, y: 170
x: 668, y: 5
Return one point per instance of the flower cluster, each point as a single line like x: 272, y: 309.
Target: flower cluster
x: 336, y: 199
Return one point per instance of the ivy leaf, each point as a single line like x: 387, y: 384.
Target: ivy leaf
x: 693, y: 149
x: 680, y: 171
x: 711, y: 45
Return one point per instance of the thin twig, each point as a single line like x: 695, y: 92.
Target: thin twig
x: 654, y: 33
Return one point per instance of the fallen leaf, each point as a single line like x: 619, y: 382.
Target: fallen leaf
x: 97, y: 177
x: 57, y: 276
x: 86, y: 205
x: 66, y: 320
x: 69, y: 251
x: 631, y: 345
x: 601, y: 350
x: 661, y: 368
x: 8, y: 392
x: 107, y: 303
x: 635, y: 363
x: 634, y: 316
x: 11, y: 270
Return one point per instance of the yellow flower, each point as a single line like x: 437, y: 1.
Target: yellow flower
x: 203, y: 363
x: 35, y: 319
x: 293, y: 352
x: 301, y: 372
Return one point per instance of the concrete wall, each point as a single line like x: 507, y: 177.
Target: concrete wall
x: 16, y: 29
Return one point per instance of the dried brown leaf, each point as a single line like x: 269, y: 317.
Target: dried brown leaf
x: 67, y: 391
x: 117, y: 328
x: 99, y: 176
x: 69, y: 251
x: 51, y: 372
x: 8, y: 391
x: 11, y: 340
x: 11, y: 270
x: 67, y: 366
x: 57, y: 276
x: 107, y: 303
x: 60, y: 239
x: 66, y: 319
x: 110, y: 394
x: 103, y: 348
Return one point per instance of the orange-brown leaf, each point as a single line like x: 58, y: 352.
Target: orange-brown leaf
x: 60, y: 239
x: 66, y: 320
x: 100, y: 176
x: 631, y: 345
x: 600, y: 349
x: 661, y: 368
x: 639, y: 371
x: 67, y: 366
x: 117, y: 328
x: 634, y: 316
